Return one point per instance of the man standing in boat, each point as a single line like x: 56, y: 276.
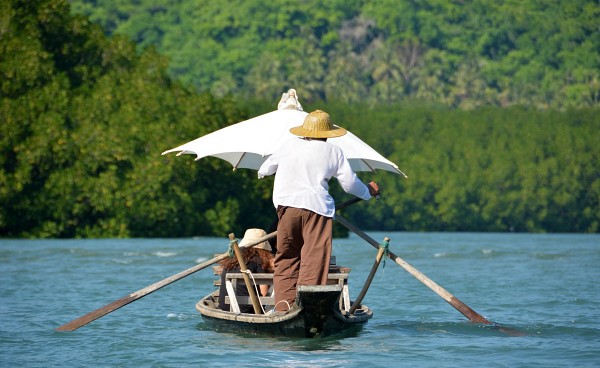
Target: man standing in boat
x: 305, y: 209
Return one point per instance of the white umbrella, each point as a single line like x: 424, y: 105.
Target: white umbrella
x: 248, y: 144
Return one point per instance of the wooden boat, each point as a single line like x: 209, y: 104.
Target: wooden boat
x: 319, y: 311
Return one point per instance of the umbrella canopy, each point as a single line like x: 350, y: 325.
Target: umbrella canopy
x: 248, y: 144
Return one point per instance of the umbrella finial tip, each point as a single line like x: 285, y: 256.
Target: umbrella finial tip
x: 289, y: 100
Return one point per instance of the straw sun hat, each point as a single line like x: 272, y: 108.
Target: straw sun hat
x: 253, y: 235
x: 318, y: 124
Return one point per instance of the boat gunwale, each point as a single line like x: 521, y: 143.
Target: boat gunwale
x: 364, y: 313
x: 205, y: 310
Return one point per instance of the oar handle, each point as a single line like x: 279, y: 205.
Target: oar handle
x: 352, y: 201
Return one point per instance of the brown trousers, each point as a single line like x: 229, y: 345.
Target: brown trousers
x: 303, y: 252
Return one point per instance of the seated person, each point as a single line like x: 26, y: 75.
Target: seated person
x: 258, y: 259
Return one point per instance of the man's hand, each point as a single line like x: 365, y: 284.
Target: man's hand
x: 373, y: 189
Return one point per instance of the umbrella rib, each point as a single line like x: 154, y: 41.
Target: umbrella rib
x: 369, y: 166
x: 239, y: 161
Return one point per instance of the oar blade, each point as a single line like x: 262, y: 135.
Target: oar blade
x: 83, y: 320
x: 455, y: 302
x: 94, y: 315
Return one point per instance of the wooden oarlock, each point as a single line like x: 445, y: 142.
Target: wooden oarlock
x: 363, y: 292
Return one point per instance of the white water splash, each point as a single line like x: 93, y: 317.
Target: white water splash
x: 164, y: 254
x: 121, y: 261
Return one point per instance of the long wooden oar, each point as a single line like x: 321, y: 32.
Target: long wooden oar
x: 84, y: 320
x: 451, y: 299
x: 94, y: 315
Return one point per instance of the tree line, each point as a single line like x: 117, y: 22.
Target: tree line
x: 85, y: 118
x: 466, y: 54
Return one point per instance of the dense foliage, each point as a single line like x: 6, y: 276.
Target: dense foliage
x: 84, y: 121
x: 513, y: 169
x: 85, y: 117
x: 541, y: 53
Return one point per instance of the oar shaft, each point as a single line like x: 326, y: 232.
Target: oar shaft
x: 100, y: 312
x: 81, y: 321
x: 347, y: 203
x: 451, y: 299
x: 243, y: 269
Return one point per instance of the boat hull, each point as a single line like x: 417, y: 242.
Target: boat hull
x: 314, y: 315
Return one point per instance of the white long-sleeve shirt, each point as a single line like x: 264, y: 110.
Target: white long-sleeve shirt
x: 303, y: 169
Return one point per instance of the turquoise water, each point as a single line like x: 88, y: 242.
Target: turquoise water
x: 542, y: 285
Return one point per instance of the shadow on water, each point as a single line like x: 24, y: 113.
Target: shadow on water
x: 451, y: 328
x: 495, y: 330
x: 409, y: 328
x: 561, y: 331
x: 333, y: 342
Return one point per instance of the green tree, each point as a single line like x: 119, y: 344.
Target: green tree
x: 467, y: 54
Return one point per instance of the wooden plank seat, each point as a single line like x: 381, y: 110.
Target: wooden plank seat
x: 337, y: 275
x: 267, y: 279
x: 259, y: 279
